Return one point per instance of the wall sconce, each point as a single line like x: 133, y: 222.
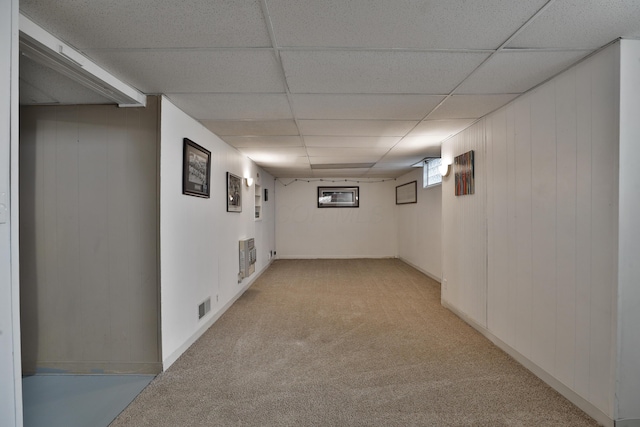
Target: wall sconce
x: 444, y: 169
x: 248, y: 182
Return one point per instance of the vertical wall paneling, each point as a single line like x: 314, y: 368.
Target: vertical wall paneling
x: 551, y: 213
x: 89, y: 227
x: 543, y: 215
x: 464, y: 231
x: 419, y: 227
x: 566, y: 146
x: 199, y: 253
x: 628, y: 376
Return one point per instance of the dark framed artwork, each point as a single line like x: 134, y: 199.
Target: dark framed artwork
x: 464, y: 173
x: 196, y: 170
x: 338, y: 197
x: 234, y: 193
x: 407, y: 193
x: 266, y: 194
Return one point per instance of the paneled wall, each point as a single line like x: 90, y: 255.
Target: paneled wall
x: 464, y: 231
x: 419, y: 227
x: 88, y: 238
x: 306, y: 231
x: 549, y: 165
x: 199, y: 237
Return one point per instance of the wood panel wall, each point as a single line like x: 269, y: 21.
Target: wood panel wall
x: 551, y: 170
x: 89, y: 239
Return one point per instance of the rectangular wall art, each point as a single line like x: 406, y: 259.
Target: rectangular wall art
x: 463, y: 169
x: 338, y: 197
x: 234, y: 193
x: 196, y: 170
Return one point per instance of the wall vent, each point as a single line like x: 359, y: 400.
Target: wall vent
x: 204, y: 308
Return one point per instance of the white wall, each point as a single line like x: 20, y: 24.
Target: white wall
x: 546, y: 186
x: 306, y: 231
x: 419, y: 227
x: 10, y: 376
x: 628, y: 374
x: 198, y: 237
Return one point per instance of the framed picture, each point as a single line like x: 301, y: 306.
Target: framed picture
x: 234, y: 193
x: 196, y: 170
x: 407, y: 193
x: 338, y: 197
x: 463, y: 169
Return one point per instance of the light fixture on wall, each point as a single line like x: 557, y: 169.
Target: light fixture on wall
x: 248, y: 182
x: 444, y: 169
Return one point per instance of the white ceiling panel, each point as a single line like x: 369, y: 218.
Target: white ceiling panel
x: 168, y: 71
x: 451, y: 24
x: 356, y: 127
x: 396, y: 107
x: 272, y: 153
x: 397, y: 72
x: 581, y: 24
x: 401, y: 159
x: 385, y: 142
x: 285, y: 172
x: 233, y: 106
x: 298, y: 163
x: 251, y: 127
x: 470, y: 106
x: 263, y: 141
x: 152, y: 24
x: 375, y: 153
x: 518, y: 71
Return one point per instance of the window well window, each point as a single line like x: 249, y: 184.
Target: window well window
x: 431, y: 174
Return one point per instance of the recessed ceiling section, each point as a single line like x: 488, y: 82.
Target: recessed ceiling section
x: 451, y: 24
x: 373, y: 128
x: 516, y: 71
x: 233, y: 106
x: 251, y: 127
x: 148, y: 24
x: 470, y: 106
x: 347, y: 153
x: 581, y: 25
x: 368, y: 106
x: 196, y: 70
x: 394, y: 72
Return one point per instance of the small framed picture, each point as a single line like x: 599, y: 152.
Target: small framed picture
x: 407, y: 193
x: 338, y: 197
x: 234, y: 193
x: 196, y: 170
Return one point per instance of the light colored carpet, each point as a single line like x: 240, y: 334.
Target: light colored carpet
x: 346, y: 343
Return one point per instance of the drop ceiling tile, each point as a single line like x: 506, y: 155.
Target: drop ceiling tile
x: 402, y: 159
x: 366, y: 106
x: 263, y: 141
x: 438, y: 130
x: 277, y: 172
x: 346, y: 153
x: 296, y: 163
x: 513, y: 71
x: 152, y: 24
x: 167, y: 71
x: 417, y: 145
x: 233, y: 106
x: 387, y: 173
x: 251, y: 127
x: 273, y: 154
x: 470, y: 106
x: 401, y: 23
x: 385, y: 142
x: 579, y: 24
x: 397, y: 72
x: 355, y: 127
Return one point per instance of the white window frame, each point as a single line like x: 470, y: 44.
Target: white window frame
x: 429, y: 178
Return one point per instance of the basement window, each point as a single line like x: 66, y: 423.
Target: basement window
x: 430, y: 172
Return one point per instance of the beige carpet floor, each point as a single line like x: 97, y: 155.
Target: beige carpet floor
x: 346, y: 343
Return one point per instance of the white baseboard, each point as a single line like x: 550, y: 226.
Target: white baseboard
x: 569, y: 394
x: 170, y: 360
x: 333, y: 257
